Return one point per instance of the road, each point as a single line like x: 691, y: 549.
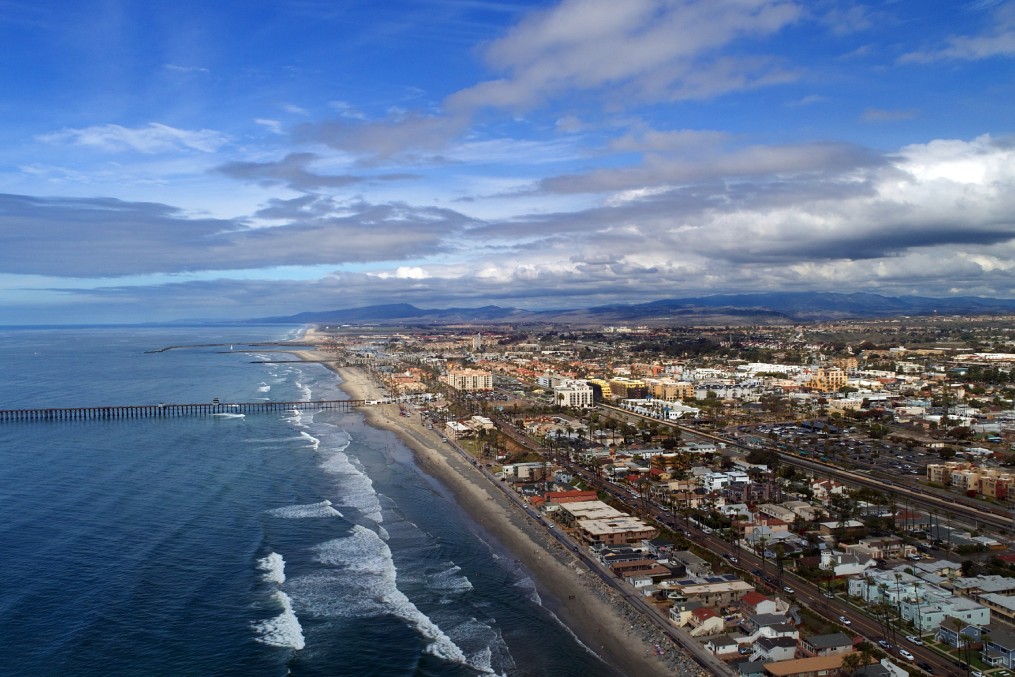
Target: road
x: 975, y: 512
x: 678, y: 636
x: 805, y: 592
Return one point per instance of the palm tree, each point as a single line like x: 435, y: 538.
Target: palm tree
x: 898, y: 595
x: 957, y: 625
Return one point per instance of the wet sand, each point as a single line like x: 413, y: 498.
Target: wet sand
x: 595, y: 613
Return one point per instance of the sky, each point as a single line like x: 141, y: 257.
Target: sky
x: 163, y: 161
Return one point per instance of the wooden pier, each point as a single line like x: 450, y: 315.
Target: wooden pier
x: 164, y: 410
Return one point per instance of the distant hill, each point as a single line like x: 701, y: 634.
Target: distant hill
x: 400, y: 313
x: 774, y: 307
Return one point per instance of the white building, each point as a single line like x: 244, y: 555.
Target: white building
x: 717, y: 480
x: 919, y: 602
x: 573, y: 393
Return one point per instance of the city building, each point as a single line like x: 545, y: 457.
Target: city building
x: 469, y: 379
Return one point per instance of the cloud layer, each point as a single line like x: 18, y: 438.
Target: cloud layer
x: 549, y: 154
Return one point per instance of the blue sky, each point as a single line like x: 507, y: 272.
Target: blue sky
x: 168, y: 160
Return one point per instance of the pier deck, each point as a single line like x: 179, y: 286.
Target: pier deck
x: 165, y: 410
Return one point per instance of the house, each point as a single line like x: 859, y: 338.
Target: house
x: 818, y: 666
x: 723, y: 646
x: 770, y: 649
x: 764, y: 527
x: 888, y: 547
x: 826, y: 645
x: 750, y: 669
x: 640, y: 568
x: 752, y: 623
x: 705, y: 622
x: 767, y: 625
x: 849, y: 528
x: 754, y: 603
x: 658, y: 547
x: 823, y: 490
x: 680, y: 612
x: 998, y: 647
x: 957, y: 633
x: 777, y: 511
x: 695, y: 566
x: 724, y: 591
x: 526, y: 472
x: 842, y: 564
x: 803, y: 510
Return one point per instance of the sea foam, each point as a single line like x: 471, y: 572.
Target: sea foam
x: 319, y: 509
x: 283, y: 630
x: 356, y: 489
x: 367, y: 559
x: 273, y: 567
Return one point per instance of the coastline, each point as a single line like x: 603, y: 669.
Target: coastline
x: 594, y: 612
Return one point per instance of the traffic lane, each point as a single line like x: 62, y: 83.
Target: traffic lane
x: 808, y: 594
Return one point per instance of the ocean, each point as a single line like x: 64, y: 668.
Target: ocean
x: 264, y: 544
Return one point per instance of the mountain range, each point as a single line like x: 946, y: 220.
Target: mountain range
x: 763, y: 308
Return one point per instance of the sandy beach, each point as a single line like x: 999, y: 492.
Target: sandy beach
x: 598, y: 616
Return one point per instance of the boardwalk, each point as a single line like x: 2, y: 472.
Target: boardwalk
x: 163, y: 410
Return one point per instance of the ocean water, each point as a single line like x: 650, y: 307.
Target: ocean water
x: 265, y: 544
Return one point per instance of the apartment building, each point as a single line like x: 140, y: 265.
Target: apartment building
x: 469, y: 379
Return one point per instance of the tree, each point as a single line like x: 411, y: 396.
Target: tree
x: 851, y: 662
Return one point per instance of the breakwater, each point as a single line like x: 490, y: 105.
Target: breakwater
x: 166, y: 410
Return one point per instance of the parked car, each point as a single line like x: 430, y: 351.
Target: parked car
x: 845, y: 621
x: 926, y: 667
x: 884, y: 644
x: 905, y: 654
x: 914, y: 639
x: 788, y: 590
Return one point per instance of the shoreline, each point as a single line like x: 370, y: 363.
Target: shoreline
x: 593, y: 612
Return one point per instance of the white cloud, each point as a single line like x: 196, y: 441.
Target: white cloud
x: 653, y: 50
x: 997, y: 41
x: 154, y: 138
x: 405, y: 273
x: 185, y: 69
x: 273, y: 126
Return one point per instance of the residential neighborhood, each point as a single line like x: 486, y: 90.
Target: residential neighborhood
x: 790, y: 501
